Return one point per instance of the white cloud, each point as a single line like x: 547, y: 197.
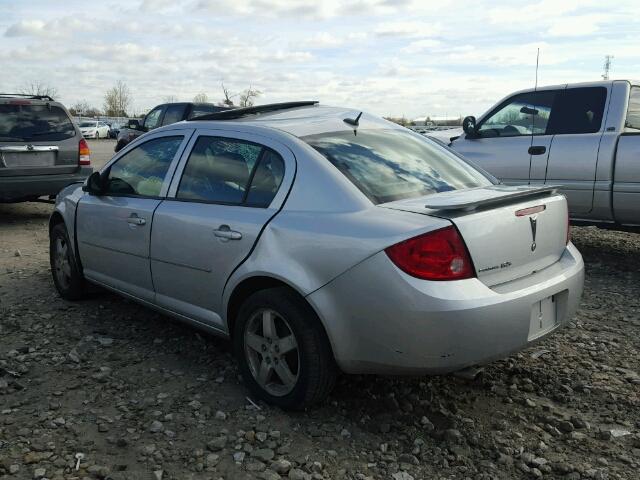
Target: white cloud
x: 392, y: 57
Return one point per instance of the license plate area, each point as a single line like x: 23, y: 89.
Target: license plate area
x: 28, y: 159
x: 543, y: 317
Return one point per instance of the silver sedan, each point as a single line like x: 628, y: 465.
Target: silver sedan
x: 321, y: 239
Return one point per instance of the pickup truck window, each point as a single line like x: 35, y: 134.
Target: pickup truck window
x: 577, y: 110
x: 523, y: 114
x: 152, y: 119
x: 174, y: 113
x: 633, y: 111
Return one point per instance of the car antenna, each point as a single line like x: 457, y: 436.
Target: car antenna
x: 353, y: 121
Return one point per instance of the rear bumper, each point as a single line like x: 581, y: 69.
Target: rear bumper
x: 26, y: 187
x: 380, y: 320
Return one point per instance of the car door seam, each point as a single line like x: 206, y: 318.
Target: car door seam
x: 255, y: 243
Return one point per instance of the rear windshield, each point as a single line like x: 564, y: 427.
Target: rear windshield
x: 25, y: 123
x: 388, y: 165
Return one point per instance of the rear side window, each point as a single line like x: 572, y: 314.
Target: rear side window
x: 173, y: 114
x: 26, y: 123
x: 142, y: 171
x: 633, y: 111
x: 577, y: 110
x: 388, y: 165
x: 218, y: 170
x: 266, y: 180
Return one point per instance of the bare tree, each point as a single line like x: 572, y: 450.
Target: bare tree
x: 201, y: 98
x: 248, y: 96
x: 117, y: 100
x: 36, y: 87
x: 169, y: 99
x: 227, y: 97
x: 79, y: 108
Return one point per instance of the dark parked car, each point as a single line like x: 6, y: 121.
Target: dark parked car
x: 41, y: 148
x: 161, y: 115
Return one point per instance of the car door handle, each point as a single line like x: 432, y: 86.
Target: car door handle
x: 225, y: 232
x: 136, y: 220
x: 537, y: 150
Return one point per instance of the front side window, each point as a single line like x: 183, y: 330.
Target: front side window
x: 577, y: 110
x: 173, y: 114
x: 388, y: 165
x: 26, y: 123
x: 524, y: 114
x: 142, y: 171
x: 152, y: 119
x: 633, y: 111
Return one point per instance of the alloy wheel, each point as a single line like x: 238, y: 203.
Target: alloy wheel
x: 272, y: 352
x: 62, y: 265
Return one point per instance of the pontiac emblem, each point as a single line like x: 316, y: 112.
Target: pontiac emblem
x: 534, y: 225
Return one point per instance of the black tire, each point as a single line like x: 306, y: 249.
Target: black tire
x: 70, y: 284
x: 316, y: 368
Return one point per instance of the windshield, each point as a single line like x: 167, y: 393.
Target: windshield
x: 388, y: 165
x: 22, y: 123
x: 88, y: 124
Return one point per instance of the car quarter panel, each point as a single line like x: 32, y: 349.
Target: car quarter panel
x: 381, y: 320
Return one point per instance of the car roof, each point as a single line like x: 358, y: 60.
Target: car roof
x: 298, y: 121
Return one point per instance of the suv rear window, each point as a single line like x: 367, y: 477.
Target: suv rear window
x: 34, y: 123
x: 388, y: 165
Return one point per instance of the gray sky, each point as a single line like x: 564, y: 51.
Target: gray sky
x: 390, y: 57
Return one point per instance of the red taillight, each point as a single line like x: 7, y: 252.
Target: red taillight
x: 84, y: 154
x: 438, y: 255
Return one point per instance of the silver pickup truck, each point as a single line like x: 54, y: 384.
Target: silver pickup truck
x: 584, y: 137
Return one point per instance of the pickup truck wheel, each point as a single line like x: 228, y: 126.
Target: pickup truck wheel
x: 67, y: 277
x: 283, y: 351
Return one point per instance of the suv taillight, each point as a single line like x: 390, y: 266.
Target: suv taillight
x: 84, y: 153
x: 437, y: 255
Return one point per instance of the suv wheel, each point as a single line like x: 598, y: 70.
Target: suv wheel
x: 283, y: 351
x: 67, y: 277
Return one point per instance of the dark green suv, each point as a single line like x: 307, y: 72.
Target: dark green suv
x: 41, y: 149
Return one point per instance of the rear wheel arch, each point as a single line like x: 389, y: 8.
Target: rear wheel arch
x: 251, y: 285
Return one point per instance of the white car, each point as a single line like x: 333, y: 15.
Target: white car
x: 94, y: 129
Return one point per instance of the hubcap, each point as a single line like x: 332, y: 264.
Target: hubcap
x: 272, y: 352
x: 61, y: 264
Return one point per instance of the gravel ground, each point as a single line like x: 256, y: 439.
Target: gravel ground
x: 144, y: 397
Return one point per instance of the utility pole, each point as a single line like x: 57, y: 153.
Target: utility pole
x: 607, y: 66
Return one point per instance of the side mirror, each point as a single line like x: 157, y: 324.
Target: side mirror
x: 94, y: 184
x: 134, y: 125
x: 469, y: 126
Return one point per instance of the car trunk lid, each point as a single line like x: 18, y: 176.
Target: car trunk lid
x: 510, y: 231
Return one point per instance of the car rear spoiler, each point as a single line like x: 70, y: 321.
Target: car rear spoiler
x: 474, y: 198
